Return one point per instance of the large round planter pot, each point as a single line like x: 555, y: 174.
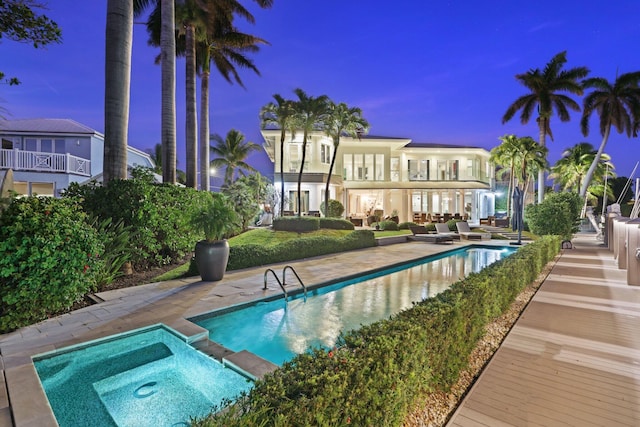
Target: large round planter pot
x: 211, y: 259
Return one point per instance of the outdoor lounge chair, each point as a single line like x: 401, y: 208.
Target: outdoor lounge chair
x: 420, y: 233
x: 442, y: 228
x: 465, y: 232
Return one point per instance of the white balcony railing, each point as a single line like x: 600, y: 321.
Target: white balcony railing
x: 44, y: 162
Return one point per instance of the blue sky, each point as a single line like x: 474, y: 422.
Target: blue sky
x: 432, y: 71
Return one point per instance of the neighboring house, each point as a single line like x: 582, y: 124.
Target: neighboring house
x: 382, y: 175
x: 46, y: 155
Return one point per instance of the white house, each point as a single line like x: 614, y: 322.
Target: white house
x: 46, y: 155
x: 386, y: 174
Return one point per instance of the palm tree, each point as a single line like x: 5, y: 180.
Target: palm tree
x: 119, y: 36
x: 282, y: 115
x: 571, y: 169
x: 232, y: 152
x: 505, y: 155
x: 545, y: 92
x: 341, y: 120
x: 532, y: 158
x: 198, y: 19
x: 618, y: 105
x: 221, y: 43
x: 311, y: 113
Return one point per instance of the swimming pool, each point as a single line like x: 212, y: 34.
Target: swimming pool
x: 147, y: 377
x: 277, y: 331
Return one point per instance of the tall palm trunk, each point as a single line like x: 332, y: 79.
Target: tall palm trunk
x: 326, y: 189
x: 304, y: 155
x: 543, y: 141
x: 119, y: 36
x: 204, y: 128
x: 510, y: 191
x: 596, y: 161
x: 282, y: 136
x: 191, y: 127
x: 168, y: 63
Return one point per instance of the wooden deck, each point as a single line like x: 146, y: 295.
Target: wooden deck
x: 573, y: 358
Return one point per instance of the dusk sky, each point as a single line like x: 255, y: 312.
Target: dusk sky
x: 432, y: 71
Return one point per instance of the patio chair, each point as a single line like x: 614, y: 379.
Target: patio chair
x: 442, y: 228
x: 420, y: 233
x: 465, y: 232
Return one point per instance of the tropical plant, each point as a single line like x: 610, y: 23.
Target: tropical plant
x: 216, y: 219
x: 618, y: 105
x: 245, y: 195
x: 232, y: 153
x: 558, y: 214
x: 282, y: 115
x: 505, y: 155
x: 571, y: 169
x: 311, y: 113
x: 50, y: 257
x: 546, y: 92
x: 341, y: 120
x: 531, y: 157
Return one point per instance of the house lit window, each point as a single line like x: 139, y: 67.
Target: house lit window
x: 325, y: 154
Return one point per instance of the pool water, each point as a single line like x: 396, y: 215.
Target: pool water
x: 277, y: 331
x: 149, y: 377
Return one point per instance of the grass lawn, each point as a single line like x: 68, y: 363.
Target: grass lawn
x: 268, y: 237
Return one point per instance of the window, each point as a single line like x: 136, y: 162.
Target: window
x: 325, y: 154
x: 379, y: 167
x: 363, y: 167
x: 347, y: 161
x: 395, y: 169
x: 453, y: 170
x: 293, y: 201
x: 418, y: 170
x: 470, y: 173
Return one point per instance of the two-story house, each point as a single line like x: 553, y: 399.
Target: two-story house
x: 46, y: 155
x: 387, y: 175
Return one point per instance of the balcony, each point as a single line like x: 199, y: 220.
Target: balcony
x: 36, y: 161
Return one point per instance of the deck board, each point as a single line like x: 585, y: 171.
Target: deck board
x: 573, y: 357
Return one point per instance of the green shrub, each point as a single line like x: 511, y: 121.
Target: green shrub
x: 336, y: 224
x: 406, y: 225
x: 50, y: 258
x: 245, y: 256
x: 389, y: 225
x: 375, y: 374
x: 158, y: 216
x: 452, y: 224
x: 335, y: 209
x: 297, y: 224
x: 558, y: 214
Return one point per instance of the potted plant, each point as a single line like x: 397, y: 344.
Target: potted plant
x: 216, y: 220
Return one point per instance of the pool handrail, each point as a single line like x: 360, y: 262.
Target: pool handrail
x: 277, y: 280
x: 284, y: 278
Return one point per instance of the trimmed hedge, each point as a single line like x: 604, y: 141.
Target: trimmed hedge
x: 255, y: 255
x: 297, y: 224
x: 406, y: 225
x: 336, y: 224
x: 378, y: 372
x: 389, y: 225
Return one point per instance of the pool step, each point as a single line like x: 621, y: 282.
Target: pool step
x: 249, y: 364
